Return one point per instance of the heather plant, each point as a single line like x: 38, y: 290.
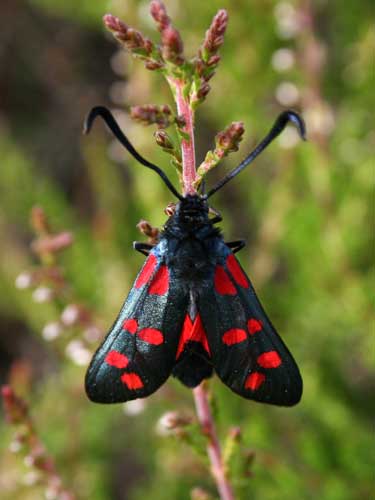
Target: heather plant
x: 303, y: 210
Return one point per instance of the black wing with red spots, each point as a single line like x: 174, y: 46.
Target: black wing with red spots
x: 247, y: 353
x: 139, y: 351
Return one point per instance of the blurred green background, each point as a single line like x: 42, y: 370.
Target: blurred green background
x: 303, y: 209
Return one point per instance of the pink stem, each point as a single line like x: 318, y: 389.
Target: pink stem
x: 187, y: 146
x: 213, y: 446
x: 204, y: 414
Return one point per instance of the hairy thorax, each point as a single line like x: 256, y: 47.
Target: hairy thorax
x: 192, y: 241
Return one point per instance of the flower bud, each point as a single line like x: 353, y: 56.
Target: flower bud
x: 39, y: 220
x: 203, y: 91
x: 228, y: 140
x: 171, y: 422
x: 200, y: 494
x: 163, y: 140
x: 15, y: 408
x: 151, y: 113
x: 146, y: 228
x: 53, y: 243
x: 159, y: 13
x: 172, y: 46
x: 215, y: 34
x: 153, y: 65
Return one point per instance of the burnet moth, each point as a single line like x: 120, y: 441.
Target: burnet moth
x: 192, y: 310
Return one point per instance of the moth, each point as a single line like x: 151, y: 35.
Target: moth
x: 192, y: 310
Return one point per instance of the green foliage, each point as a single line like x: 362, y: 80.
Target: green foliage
x: 304, y: 211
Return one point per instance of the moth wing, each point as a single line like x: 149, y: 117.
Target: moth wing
x: 247, y: 353
x: 138, y: 354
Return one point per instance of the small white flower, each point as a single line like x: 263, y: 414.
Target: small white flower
x: 24, y: 280
x: 288, y: 25
x: 283, y: 59
x: 51, y: 493
x: 135, y: 407
x: 42, y: 294
x: 31, y: 478
x: 70, y: 315
x: 28, y: 460
x: 92, y: 334
x: 320, y: 119
x: 78, y: 353
x: 15, y: 446
x: 287, y: 94
x: 52, y: 330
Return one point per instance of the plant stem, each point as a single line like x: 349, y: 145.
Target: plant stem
x: 204, y: 414
x: 187, y: 146
x: 206, y: 421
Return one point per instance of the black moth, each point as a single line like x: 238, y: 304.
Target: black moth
x: 192, y: 309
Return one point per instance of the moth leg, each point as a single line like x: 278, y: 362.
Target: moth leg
x: 142, y: 247
x: 216, y: 219
x: 236, y: 246
x: 217, y: 214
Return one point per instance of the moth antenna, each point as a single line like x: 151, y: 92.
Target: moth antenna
x: 278, y: 127
x: 111, y: 123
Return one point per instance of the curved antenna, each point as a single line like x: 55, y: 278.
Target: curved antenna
x: 278, y: 127
x: 108, y: 118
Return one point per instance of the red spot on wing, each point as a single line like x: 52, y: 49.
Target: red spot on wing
x: 116, y: 359
x: 222, y: 282
x: 151, y: 336
x: 130, y: 325
x: 234, y: 336
x: 269, y: 359
x: 132, y: 381
x: 254, y: 381
x: 254, y: 326
x: 160, y: 283
x: 192, y: 331
x: 147, y: 271
x: 235, y: 270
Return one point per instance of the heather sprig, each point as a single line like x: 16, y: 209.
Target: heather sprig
x: 135, y: 42
x: 172, y: 47
x: 27, y: 443
x: 48, y: 284
x: 208, y: 57
x: 188, y: 80
x: 150, y: 114
x: 148, y: 230
x: 226, y: 142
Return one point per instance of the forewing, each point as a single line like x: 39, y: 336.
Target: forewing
x: 247, y: 353
x: 139, y: 351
